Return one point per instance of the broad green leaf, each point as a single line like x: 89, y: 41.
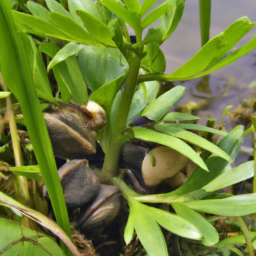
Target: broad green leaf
x: 4, y: 94
x: 137, y: 105
x: 100, y: 65
x: 155, y: 14
x: 230, y: 177
x: 67, y: 51
x: 23, y: 241
x: 41, y: 26
x: 235, y: 250
x: 54, y: 6
x: 68, y: 76
x: 199, y: 178
x: 231, y: 57
x: 176, y: 116
x: 115, y: 109
x: 72, y: 77
x: 132, y: 5
x: 232, y: 206
x: 159, y: 64
x: 38, y: 10
x: 132, y: 18
x: 106, y: 94
x: 169, y: 141
x: 85, y: 5
x: 129, y: 228
x: 151, y: 89
x: 195, y: 127
x: 214, y: 50
x: 97, y: 29
x: 106, y: 15
x: 51, y: 50
x: 153, y: 35
x: 146, y: 5
x: 31, y: 171
x: 148, y: 231
x: 40, y: 76
x: 175, y: 224
x: 160, y: 106
x: 173, y: 17
x: 209, y: 233
x: 71, y: 28
x: 151, y: 51
x: 14, y: 61
x: 193, y: 139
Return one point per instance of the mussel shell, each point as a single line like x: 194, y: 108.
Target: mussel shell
x: 79, y: 183
x: 102, y: 211
x: 66, y: 142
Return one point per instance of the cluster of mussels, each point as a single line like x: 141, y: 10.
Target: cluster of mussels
x: 77, y: 126
x: 99, y: 204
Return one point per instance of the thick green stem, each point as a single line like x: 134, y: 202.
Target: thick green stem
x: 205, y: 20
x: 115, y: 143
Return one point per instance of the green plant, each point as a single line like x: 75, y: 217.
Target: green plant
x: 97, y: 34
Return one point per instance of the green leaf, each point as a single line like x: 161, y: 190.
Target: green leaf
x: 19, y: 240
x: 169, y: 141
x: 129, y: 228
x: 67, y: 51
x: 68, y: 76
x: 137, y: 105
x: 51, y: 50
x: 232, y: 206
x: 31, y: 171
x: 4, y: 94
x: 173, y: 17
x: 209, y: 233
x: 40, y: 76
x: 54, y: 6
x: 97, y: 29
x: 233, y: 56
x: 71, y: 28
x: 160, y: 106
x: 106, y: 94
x: 214, y: 50
x: 100, y: 66
x: 242, y: 172
x: 14, y: 61
x: 41, y: 26
x: 148, y: 231
x: 176, y: 116
x: 146, y: 5
x: 153, y: 35
x: 155, y: 14
x: 132, y: 18
x: 38, y: 10
x: 175, y: 224
x: 151, y: 89
x: 236, y: 240
x: 132, y: 5
x: 195, y: 127
x: 85, y: 5
x: 193, y: 139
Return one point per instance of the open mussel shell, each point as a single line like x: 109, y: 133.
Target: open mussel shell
x: 79, y: 183
x: 102, y: 211
x: 72, y: 129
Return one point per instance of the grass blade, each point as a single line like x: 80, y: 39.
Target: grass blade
x: 14, y: 61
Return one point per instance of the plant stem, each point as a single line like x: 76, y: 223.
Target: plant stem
x: 205, y: 20
x: 246, y: 236
x: 253, y: 118
x: 115, y: 143
x: 22, y: 181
